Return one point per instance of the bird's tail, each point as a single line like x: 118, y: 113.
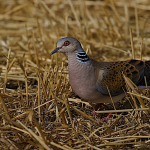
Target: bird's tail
x: 147, y: 72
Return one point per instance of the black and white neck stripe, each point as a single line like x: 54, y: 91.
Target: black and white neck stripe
x: 82, y: 56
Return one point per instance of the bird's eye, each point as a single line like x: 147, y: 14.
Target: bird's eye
x: 66, y: 43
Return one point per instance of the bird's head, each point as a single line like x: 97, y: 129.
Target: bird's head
x: 67, y: 45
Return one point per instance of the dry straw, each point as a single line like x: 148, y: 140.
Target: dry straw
x: 38, y: 108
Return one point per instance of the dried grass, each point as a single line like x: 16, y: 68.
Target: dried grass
x: 38, y: 107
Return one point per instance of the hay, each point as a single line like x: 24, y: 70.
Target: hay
x: 38, y: 108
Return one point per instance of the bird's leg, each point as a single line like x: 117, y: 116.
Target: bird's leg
x: 106, y: 118
x: 101, y: 105
x: 97, y: 106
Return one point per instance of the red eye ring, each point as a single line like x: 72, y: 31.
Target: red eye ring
x: 66, y: 43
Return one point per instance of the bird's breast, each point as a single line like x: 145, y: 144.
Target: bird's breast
x: 82, y: 79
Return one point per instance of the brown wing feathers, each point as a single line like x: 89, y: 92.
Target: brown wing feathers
x: 111, y: 75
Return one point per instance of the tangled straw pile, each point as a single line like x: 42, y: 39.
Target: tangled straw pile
x: 38, y: 108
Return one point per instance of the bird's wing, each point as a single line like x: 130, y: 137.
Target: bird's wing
x: 111, y: 76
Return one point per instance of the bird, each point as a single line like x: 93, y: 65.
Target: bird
x: 94, y: 81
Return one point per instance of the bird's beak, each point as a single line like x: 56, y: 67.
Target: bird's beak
x: 55, y: 51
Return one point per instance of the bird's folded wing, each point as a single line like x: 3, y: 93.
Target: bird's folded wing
x: 111, y: 78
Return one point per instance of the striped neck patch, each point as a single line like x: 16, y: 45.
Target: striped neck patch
x: 82, y: 56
